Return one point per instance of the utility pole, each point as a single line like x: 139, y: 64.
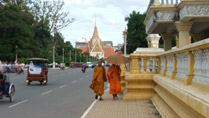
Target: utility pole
x: 75, y: 56
x: 16, y: 53
x: 70, y: 56
x: 63, y: 57
x: 125, y: 38
x: 54, y: 56
x: 80, y: 57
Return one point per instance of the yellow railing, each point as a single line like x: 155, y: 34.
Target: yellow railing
x: 189, y: 64
x: 178, y: 78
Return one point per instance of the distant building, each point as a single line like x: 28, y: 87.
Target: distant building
x: 117, y: 47
x: 96, y: 47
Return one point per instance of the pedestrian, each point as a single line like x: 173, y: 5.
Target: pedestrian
x: 98, y: 80
x: 1, y: 67
x: 113, y: 75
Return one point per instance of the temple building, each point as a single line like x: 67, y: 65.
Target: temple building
x: 96, y: 47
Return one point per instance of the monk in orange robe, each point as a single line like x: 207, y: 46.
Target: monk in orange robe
x: 113, y: 75
x: 98, y: 79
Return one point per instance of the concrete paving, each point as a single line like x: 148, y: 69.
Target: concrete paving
x: 110, y: 108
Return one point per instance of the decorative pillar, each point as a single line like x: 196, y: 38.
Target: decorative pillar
x: 122, y: 78
x: 134, y: 65
x: 158, y: 63
x: 174, y: 72
x: 183, y: 28
x: 190, y: 73
x: 145, y: 64
x: 177, y: 42
x: 123, y: 68
x: 167, y: 41
x: 153, y: 40
x: 165, y: 69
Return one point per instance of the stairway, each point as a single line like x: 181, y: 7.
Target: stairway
x: 139, y: 86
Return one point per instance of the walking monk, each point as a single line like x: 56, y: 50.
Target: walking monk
x: 113, y: 75
x: 98, y: 80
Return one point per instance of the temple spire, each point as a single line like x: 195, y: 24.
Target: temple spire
x: 95, y: 35
x: 95, y: 20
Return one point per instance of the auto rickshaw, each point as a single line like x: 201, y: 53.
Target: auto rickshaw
x: 37, y: 71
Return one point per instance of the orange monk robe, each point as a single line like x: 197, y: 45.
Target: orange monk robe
x: 115, y: 87
x: 99, y: 72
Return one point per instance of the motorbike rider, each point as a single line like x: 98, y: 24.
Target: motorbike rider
x: 2, y: 78
x: 84, y: 67
x: 20, y: 67
x: 62, y: 66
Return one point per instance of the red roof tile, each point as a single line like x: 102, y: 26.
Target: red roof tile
x: 84, y: 49
x: 108, y: 51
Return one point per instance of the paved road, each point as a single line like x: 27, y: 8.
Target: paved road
x: 67, y: 95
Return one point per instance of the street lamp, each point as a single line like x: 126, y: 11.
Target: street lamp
x: 80, y: 57
x: 125, y: 32
x: 70, y: 56
x: 54, y: 56
x: 75, y: 56
x: 63, y: 58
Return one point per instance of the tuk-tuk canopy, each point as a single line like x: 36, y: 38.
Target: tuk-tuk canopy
x: 38, y: 59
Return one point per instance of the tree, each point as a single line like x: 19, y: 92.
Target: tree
x: 52, y: 14
x: 136, y: 36
x: 15, y: 30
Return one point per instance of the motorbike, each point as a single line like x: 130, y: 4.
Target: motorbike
x: 20, y: 70
x: 83, y: 68
x: 7, y: 88
x: 62, y: 66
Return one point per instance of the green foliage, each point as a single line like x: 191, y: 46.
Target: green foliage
x: 136, y: 31
x: 15, y: 30
x: 31, y: 30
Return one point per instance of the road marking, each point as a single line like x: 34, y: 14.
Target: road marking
x: 73, y: 82
x: 87, y: 111
x: 46, y: 92
x: 17, y: 103
x: 63, y: 86
x: 81, y: 78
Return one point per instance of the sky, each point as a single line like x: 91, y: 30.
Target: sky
x: 110, y: 18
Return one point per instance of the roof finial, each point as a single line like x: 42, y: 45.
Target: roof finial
x: 95, y: 20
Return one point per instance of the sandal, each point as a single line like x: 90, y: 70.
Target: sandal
x: 100, y: 99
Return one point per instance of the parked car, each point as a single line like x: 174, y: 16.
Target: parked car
x: 89, y: 64
x: 107, y: 65
x: 94, y: 64
x: 75, y: 65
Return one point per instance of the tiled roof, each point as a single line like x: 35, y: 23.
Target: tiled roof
x: 84, y: 49
x: 108, y: 51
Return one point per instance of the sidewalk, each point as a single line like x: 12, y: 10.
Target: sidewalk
x: 110, y: 108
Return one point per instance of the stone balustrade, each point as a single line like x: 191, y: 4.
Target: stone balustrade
x: 170, y: 2
x: 184, y: 63
x: 181, y: 79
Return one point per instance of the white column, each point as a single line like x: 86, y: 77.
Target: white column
x: 183, y: 28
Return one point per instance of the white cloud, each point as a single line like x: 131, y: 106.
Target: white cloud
x: 110, y: 15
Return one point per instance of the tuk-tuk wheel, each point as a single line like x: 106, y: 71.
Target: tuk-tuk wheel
x: 28, y: 83
x: 45, y: 83
x: 11, y: 95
